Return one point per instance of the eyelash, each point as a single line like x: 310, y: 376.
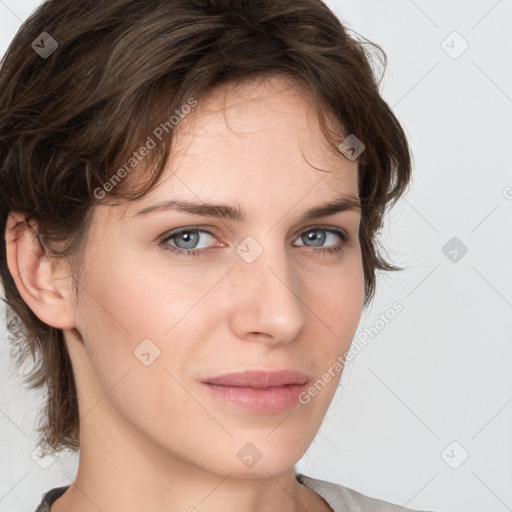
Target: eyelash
x: 192, y: 253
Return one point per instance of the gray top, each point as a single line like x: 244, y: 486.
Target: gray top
x: 50, y: 497
x: 344, y: 499
x: 339, y: 498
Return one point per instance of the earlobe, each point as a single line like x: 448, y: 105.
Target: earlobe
x: 46, y: 288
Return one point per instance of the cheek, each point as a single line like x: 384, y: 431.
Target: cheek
x: 337, y: 298
x: 115, y: 314
x: 131, y: 300
x: 129, y: 316
x: 123, y: 322
x: 337, y: 306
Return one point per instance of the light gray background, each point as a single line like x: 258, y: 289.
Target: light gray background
x: 439, y: 372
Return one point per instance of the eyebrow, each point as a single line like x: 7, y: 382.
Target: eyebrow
x: 235, y: 213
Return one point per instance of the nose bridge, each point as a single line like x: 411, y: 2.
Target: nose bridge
x: 270, y: 299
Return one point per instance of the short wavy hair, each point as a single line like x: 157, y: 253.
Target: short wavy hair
x: 69, y: 120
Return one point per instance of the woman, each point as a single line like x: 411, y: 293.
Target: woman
x: 191, y: 192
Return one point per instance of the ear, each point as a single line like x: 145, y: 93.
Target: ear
x: 44, y: 285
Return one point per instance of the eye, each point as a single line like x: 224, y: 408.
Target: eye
x: 184, y: 242
x: 317, y: 240
x: 317, y: 236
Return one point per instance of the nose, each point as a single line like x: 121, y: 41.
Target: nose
x: 268, y: 301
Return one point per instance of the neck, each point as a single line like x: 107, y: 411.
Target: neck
x: 120, y: 471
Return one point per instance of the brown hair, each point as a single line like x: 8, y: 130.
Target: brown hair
x: 71, y: 119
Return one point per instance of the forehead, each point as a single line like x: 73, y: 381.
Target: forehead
x: 268, y: 112
x: 255, y: 140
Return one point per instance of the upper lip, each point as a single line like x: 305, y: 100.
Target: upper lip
x: 259, y: 378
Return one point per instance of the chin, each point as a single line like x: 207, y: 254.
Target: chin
x: 252, y: 459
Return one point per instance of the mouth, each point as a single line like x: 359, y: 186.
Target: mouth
x: 263, y: 392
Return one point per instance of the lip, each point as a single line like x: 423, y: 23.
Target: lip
x: 259, y: 378
x: 260, y: 391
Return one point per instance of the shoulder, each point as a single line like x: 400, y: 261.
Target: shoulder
x: 342, y: 499
x: 49, y: 497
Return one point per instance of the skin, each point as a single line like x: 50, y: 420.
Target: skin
x: 151, y: 437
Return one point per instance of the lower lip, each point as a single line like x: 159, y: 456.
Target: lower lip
x: 263, y: 401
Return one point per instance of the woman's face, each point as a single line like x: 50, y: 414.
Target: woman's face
x: 262, y: 294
